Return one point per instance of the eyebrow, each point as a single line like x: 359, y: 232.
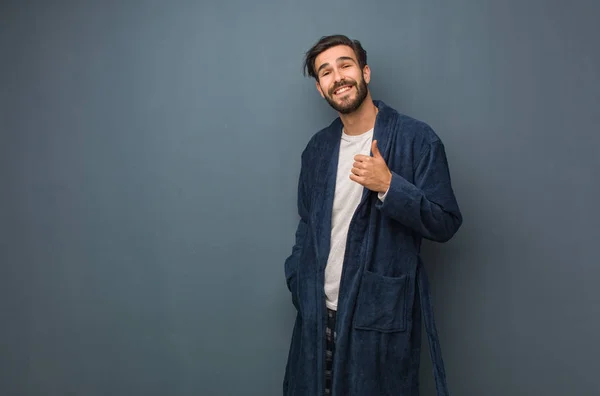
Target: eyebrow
x: 341, y: 58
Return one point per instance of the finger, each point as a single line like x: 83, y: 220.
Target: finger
x: 361, y: 158
x: 357, y: 179
x: 358, y: 172
x: 375, y: 149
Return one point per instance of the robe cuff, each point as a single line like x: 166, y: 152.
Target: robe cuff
x: 382, y: 196
x: 402, y: 196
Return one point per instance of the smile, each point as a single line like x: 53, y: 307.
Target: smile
x: 342, y: 90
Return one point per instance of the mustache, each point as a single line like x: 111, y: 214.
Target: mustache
x: 341, y: 84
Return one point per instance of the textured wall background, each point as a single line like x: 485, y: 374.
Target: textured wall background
x: 149, y: 154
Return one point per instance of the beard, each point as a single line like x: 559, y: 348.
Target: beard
x: 348, y: 105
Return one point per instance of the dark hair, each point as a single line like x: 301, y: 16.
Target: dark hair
x: 327, y: 42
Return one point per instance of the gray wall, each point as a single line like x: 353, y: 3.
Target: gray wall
x: 149, y: 153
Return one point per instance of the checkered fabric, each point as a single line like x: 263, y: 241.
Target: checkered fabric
x: 330, y: 349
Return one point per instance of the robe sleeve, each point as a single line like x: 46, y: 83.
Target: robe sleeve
x: 428, y: 206
x: 292, y: 262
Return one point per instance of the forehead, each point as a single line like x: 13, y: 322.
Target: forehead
x: 332, y: 54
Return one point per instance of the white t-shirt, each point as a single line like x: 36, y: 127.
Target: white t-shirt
x: 347, y: 197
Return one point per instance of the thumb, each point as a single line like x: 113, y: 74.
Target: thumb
x: 375, y: 149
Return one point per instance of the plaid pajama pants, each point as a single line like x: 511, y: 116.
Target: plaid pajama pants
x: 330, y: 349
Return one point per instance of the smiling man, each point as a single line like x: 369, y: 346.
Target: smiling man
x: 372, y: 185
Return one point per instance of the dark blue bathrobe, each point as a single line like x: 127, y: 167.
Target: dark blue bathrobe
x: 384, y: 290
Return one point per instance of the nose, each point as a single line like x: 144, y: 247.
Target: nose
x: 337, y: 75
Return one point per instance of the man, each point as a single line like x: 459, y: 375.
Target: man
x: 372, y: 185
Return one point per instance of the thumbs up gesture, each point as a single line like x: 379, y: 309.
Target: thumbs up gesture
x: 371, y: 172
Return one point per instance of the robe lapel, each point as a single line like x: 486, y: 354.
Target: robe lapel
x: 384, y: 123
x: 381, y: 133
x: 326, y: 176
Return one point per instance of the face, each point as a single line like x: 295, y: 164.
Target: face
x: 340, y: 80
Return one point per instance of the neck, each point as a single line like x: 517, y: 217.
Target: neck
x: 361, y: 120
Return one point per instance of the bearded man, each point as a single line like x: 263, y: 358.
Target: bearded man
x: 372, y: 185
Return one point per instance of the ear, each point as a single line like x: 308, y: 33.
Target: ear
x: 319, y: 88
x: 367, y: 74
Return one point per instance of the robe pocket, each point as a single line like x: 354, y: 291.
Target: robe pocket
x: 382, y: 303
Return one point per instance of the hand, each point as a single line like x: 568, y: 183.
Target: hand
x: 372, y: 172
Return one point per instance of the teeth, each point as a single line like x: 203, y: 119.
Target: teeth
x: 342, y: 90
